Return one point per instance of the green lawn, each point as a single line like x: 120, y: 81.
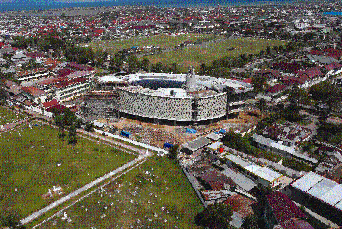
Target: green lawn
x: 163, y: 41
x: 195, y: 55
x: 32, y: 161
x: 134, y: 200
x: 9, y: 116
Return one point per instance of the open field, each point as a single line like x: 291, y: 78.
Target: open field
x: 32, y: 161
x: 9, y: 116
x: 154, y: 195
x: 195, y: 55
x: 162, y: 41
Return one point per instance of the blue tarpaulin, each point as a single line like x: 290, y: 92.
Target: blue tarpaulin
x: 222, y: 131
x: 125, y: 133
x: 168, y: 145
x: 191, y: 131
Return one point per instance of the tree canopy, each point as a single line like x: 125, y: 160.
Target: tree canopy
x: 216, y: 216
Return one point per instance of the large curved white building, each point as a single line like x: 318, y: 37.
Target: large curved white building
x: 161, y: 96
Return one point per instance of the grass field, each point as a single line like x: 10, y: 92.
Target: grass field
x: 163, y: 41
x: 154, y: 195
x: 9, y: 116
x: 32, y: 161
x: 195, y: 55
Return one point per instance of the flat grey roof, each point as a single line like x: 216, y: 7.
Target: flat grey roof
x: 197, y: 143
x: 321, y: 188
x: 307, y: 181
x: 239, y: 179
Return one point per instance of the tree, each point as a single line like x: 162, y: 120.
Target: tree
x: 58, y: 119
x: 299, y: 96
x: 217, y: 215
x: 133, y: 64
x: 250, y: 222
x: 326, y: 93
x: 3, y: 95
x: 259, y: 83
x: 145, y: 64
x: 89, y: 127
x: 72, y: 135
x: 158, y: 67
x: 203, y: 69
x: 10, y: 219
x: 174, y: 68
x: 173, y: 152
x: 262, y: 105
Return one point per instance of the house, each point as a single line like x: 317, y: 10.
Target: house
x: 241, y: 205
x: 67, y: 89
x: 280, y: 211
x: 20, y: 58
x: 259, y: 174
x: 320, y: 194
x: 34, y: 94
x: 199, y: 143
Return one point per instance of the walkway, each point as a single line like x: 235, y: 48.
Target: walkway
x: 84, y: 188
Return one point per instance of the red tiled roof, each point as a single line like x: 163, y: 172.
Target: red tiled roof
x: 51, y: 103
x: 33, y: 91
x: 295, y: 223
x: 240, y: 204
x: 48, y: 81
x: 333, y: 66
x: 283, y: 208
x: 58, y: 108
x: 66, y: 83
x: 64, y: 72
x: 276, y: 88
x: 248, y: 80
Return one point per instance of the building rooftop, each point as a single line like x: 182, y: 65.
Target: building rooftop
x: 283, y: 208
x: 321, y: 188
x: 197, y: 143
x: 109, y: 78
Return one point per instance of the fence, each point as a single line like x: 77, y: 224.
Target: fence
x: 159, y: 150
x: 190, y: 178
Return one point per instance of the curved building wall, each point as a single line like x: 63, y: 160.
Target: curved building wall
x: 211, y: 107
x: 160, y: 107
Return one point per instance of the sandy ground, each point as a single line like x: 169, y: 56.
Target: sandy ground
x: 157, y: 135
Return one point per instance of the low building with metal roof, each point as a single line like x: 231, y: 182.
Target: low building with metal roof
x: 321, y: 188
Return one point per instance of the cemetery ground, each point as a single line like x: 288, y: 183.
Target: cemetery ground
x: 195, y: 55
x: 162, y: 41
x: 154, y: 195
x: 34, y: 160
x: 8, y: 116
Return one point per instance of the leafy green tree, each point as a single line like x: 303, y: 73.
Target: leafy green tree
x: 262, y: 105
x: 133, y: 64
x: 158, y: 67
x: 145, y: 64
x: 203, y: 69
x: 259, y: 83
x: 10, y: 219
x: 299, y: 96
x: 173, y: 152
x: 89, y: 127
x: 217, y: 215
x: 174, y: 68
x: 326, y: 93
x: 250, y: 222
x: 72, y: 135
